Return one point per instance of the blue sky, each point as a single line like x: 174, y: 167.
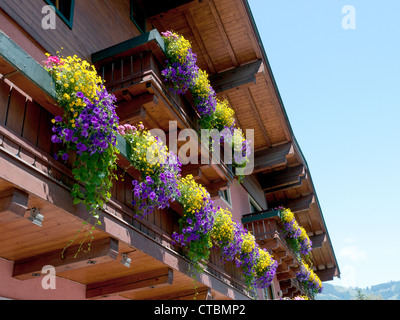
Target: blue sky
x: 341, y: 91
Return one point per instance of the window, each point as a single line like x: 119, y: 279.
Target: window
x: 269, y: 292
x: 226, y: 195
x: 138, y: 15
x: 64, y: 9
x: 254, y: 208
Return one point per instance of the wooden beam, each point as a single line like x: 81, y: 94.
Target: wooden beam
x: 295, y: 205
x: 280, y: 178
x: 286, y: 275
x: 26, y: 73
x: 326, y: 274
x: 256, y: 114
x: 285, y: 285
x: 13, y: 204
x: 227, y: 43
x: 127, y: 284
x: 280, y: 256
x: 199, y: 40
x: 237, y: 77
x: 132, y: 108
x: 153, y: 8
x: 201, y: 293
x: 318, y: 240
x: 272, y: 157
x: 101, y: 251
x: 248, y: 28
x: 301, y: 203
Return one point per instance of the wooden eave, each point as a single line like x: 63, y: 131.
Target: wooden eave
x: 225, y: 38
x: 228, y: 50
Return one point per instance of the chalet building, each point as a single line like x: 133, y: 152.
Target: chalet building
x: 131, y: 258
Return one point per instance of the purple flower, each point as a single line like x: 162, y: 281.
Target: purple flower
x: 55, y: 139
x: 80, y: 95
x: 149, y: 180
x: 81, y: 147
x: 65, y: 156
x: 152, y: 195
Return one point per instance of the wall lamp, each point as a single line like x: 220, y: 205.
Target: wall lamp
x: 36, y: 217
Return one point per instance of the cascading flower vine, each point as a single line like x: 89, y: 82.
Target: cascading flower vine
x: 197, y: 221
x: 295, y: 235
x: 265, y: 269
x: 226, y: 235
x: 205, y: 98
x: 248, y: 256
x: 305, y: 243
x: 185, y: 75
x: 181, y: 67
x: 239, y: 245
x: 88, y: 127
x: 309, y: 279
x: 160, y: 169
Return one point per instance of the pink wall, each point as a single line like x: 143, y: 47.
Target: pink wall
x: 240, y: 202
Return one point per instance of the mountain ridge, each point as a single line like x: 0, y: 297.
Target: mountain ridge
x: 384, y: 291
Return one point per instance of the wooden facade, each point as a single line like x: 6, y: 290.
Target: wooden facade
x: 226, y: 40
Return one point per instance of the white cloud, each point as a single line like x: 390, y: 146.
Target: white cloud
x: 354, y: 253
x: 348, y: 277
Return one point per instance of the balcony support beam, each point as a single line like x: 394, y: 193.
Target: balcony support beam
x: 13, y: 204
x: 128, y: 284
x: 282, y: 178
x: 101, y: 251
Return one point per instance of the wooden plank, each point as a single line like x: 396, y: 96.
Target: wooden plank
x: 280, y: 178
x: 199, y: 40
x: 223, y: 33
x: 133, y: 111
x: 5, y: 91
x: 256, y: 114
x: 318, y: 240
x: 124, y: 285
x: 101, y: 251
x: 13, y: 204
x: 237, y: 77
x: 149, y: 41
x: 298, y: 204
x: 326, y: 274
x: 272, y: 157
x: 30, y: 76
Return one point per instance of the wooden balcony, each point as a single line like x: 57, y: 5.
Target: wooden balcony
x: 292, y: 288
x: 132, y: 72
x: 38, y: 217
x: 266, y: 228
